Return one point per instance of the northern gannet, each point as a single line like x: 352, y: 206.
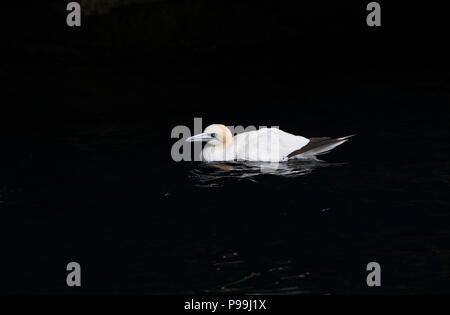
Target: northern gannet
x: 265, y: 145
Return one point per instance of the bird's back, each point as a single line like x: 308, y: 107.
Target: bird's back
x: 266, y: 144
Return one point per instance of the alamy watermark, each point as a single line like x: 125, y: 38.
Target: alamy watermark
x: 374, y: 277
x: 374, y: 17
x: 74, y: 16
x: 73, y: 278
x: 182, y: 149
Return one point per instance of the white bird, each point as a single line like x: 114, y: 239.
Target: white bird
x: 265, y: 145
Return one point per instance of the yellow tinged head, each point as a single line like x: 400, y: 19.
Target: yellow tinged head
x: 221, y: 135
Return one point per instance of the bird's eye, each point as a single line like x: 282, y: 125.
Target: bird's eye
x: 213, y: 135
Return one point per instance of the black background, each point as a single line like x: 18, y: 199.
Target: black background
x: 172, y: 57
x: 126, y: 77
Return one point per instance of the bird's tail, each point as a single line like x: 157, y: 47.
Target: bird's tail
x: 318, y: 146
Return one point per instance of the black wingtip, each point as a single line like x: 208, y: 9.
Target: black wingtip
x: 347, y: 137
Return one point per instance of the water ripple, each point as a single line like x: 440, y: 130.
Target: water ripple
x: 213, y: 174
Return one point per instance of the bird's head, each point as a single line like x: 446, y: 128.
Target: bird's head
x: 215, y: 135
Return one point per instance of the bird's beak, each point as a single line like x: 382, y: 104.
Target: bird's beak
x: 200, y: 137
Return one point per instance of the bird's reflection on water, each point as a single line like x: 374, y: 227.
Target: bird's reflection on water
x: 213, y: 174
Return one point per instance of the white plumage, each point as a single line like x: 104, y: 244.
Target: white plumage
x: 266, y: 144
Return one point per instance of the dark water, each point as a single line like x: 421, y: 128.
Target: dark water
x: 86, y: 173
x: 109, y: 196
